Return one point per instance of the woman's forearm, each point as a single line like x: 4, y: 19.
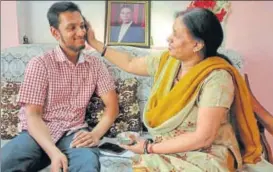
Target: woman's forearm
x: 182, y: 143
x: 121, y: 59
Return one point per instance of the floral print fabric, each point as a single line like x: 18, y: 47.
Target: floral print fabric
x: 129, y: 111
x: 9, y: 109
x: 216, y: 91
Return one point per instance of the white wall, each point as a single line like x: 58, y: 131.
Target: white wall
x: 33, y: 21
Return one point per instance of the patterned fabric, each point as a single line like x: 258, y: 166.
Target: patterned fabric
x: 64, y: 89
x: 15, y: 59
x: 212, y: 158
x: 129, y: 112
x: 188, y: 87
x: 116, y: 164
x: 9, y: 109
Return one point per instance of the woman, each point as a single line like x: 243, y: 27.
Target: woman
x: 188, y: 110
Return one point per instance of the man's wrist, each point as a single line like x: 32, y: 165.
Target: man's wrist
x: 52, y: 152
x: 96, y: 134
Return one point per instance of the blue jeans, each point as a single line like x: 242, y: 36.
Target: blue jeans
x: 24, y: 154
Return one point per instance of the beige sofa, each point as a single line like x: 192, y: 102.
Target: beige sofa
x: 14, y: 60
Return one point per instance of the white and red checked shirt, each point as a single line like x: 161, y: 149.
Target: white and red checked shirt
x: 63, y: 89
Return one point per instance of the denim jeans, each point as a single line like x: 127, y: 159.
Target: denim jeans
x: 24, y: 154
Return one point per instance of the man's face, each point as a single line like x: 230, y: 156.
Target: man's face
x: 71, y: 32
x: 126, y: 15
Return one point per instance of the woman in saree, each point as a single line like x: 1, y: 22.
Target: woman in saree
x: 188, y: 111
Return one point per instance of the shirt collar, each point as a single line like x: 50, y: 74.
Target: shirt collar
x: 127, y: 24
x: 61, y: 57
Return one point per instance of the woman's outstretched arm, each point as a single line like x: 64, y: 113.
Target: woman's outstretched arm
x: 128, y: 63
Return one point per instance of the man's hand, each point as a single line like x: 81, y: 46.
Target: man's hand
x: 59, y: 161
x: 90, y: 33
x: 85, y: 139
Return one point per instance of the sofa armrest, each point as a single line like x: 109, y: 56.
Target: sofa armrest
x: 265, y: 121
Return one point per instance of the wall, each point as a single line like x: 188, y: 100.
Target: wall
x: 250, y: 32
x: 35, y: 24
x: 9, y: 27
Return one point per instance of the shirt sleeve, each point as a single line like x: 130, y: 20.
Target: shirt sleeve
x: 217, y: 90
x: 105, y: 81
x: 152, y: 62
x: 34, y: 87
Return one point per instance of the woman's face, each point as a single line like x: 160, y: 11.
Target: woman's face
x: 181, y: 43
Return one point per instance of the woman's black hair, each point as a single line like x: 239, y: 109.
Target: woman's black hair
x: 204, y: 26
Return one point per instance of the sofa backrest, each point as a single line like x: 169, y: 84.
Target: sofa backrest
x: 15, y: 59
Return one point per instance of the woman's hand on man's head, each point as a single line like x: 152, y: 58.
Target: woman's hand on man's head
x: 90, y: 35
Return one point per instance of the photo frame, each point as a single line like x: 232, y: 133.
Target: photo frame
x: 128, y: 23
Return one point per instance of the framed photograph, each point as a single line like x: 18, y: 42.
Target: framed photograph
x: 127, y: 23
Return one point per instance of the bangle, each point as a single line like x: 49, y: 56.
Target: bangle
x: 148, y: 141
x: 104, y: 50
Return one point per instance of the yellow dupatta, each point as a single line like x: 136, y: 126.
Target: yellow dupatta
x: 164, y: 103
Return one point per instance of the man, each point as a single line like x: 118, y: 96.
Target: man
x: 128, y: 31
x: 54, y: 95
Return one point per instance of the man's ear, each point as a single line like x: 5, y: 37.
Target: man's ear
x: 55, y: 32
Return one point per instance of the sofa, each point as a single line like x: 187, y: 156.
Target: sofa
x: 15, y: 59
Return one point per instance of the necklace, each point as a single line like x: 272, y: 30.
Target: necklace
x: 176, y: 79
x: 180, y: 72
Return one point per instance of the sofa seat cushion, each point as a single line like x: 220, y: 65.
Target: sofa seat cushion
x: 129, y: 112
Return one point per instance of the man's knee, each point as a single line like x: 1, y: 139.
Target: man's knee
x: 84, y: 159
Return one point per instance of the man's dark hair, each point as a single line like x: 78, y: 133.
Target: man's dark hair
x: 127, y: 6
x: 57, y: 8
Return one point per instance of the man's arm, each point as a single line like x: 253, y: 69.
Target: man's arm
x: 38, y: 129
x: 32, y: 95
x: 111, y: 111
x: 90, y: 139
x: 105, y: 88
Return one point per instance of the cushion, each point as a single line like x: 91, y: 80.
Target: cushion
x: 9, y: 109
x: 129, y: 112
